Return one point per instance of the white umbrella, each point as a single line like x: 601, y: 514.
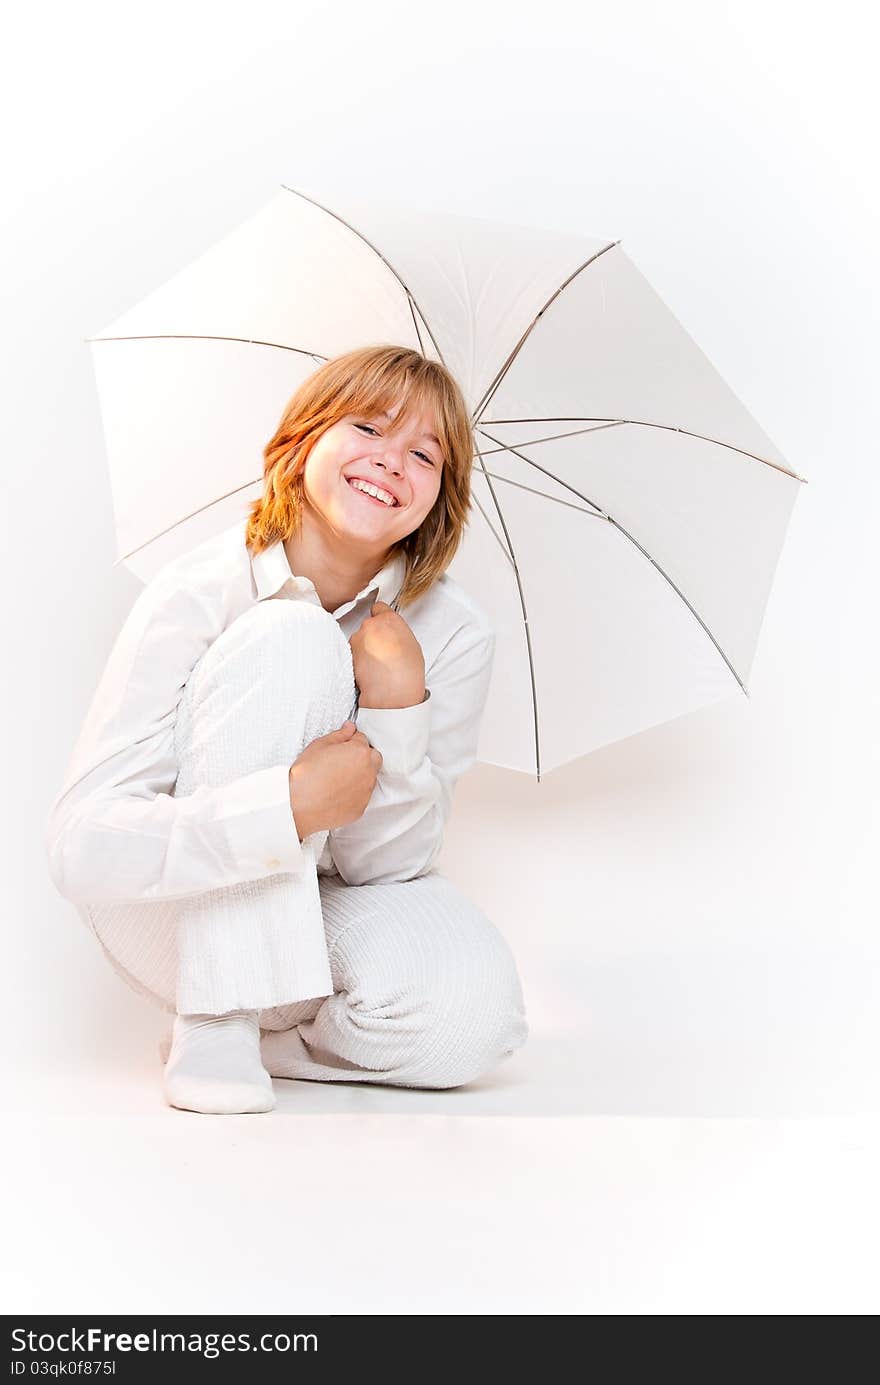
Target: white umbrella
x: 629, y: 513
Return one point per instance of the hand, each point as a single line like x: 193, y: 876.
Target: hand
x: 332, y: 780
x: 389, y: 667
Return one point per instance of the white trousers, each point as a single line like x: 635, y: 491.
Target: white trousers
x: 407, y: 983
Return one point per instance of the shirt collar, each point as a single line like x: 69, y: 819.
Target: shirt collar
x: 271, y: 571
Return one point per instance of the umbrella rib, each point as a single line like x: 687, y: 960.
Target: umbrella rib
x: 492, y: 530
x: 484, y: 402
x: 510, y: 447
x: 557, y: 437
x: 642, y: 423
x: 184, y: 518
x: 203, y: 336
x: 556, y: 499
x: 634, y: 540
x: 680, y: 593
x: 376, y: 251
x: 412, y: 313
x: 522, y: 602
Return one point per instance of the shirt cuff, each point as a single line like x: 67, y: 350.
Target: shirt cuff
x: 400, y: 734
x: 260, y: 827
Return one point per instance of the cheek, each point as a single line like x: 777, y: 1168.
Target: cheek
x: 424, y: 498
x: 429, y: 492
x: 427, y: 488
x: 318, y: 477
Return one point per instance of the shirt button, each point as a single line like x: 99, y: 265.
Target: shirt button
x: 273, y: 862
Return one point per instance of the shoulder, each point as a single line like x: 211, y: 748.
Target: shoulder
x: 459, y: 607
x: 194, y: 595
x: 220, y: 558
x: 453, y: 628
x: 212, y: 572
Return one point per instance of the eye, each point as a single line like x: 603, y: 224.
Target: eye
x: 368, y: 429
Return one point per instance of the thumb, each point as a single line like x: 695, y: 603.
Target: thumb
x: 341, y: 733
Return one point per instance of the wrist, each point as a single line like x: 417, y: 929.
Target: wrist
x: 302, y: 826
x: 393, y: 698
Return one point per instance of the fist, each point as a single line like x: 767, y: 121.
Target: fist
x: 389, y: 667
x: 332, y: 780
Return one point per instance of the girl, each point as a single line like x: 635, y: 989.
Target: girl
x: 248, y: 854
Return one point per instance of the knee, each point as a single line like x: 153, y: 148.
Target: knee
x: 473, y: 1023
x: 274, y: 680
x: 287, y: 626
x: 276, y: 638
x: 437, y: 971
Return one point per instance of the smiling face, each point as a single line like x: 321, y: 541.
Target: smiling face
x: 403, y: 463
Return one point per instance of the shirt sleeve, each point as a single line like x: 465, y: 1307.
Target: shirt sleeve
x: 425, y: 749
x: 116, y: 832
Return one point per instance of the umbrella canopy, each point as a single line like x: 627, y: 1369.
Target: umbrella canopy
x: 628, y: 512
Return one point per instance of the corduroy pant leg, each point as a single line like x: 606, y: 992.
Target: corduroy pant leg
x: 426, y: 991
x: 277, y: 678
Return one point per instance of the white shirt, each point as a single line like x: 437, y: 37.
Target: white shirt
x: 116, y: 832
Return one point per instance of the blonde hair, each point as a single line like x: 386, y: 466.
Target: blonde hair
x: 366, y: 381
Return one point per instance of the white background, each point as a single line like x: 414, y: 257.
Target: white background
x: 694, y: 909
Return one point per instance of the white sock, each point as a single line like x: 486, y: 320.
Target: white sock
x: 214, y: 1065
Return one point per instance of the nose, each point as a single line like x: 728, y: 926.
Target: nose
x: 391, y: 463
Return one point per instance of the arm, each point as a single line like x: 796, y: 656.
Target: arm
x: 115, y: 832
x: 425, y: 749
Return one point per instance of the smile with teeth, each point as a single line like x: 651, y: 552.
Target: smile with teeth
x: 374, y: 493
